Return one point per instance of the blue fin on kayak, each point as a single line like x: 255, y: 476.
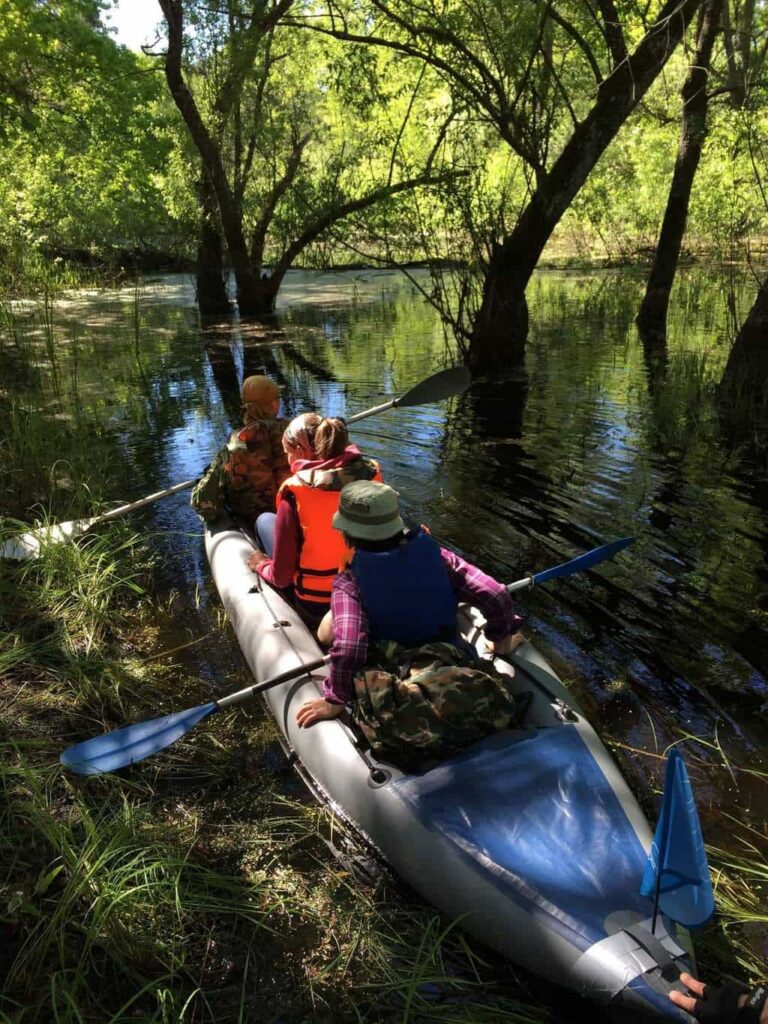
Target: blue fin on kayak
x: 132, y: 743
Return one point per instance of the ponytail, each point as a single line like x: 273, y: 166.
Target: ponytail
x: 331, y: 438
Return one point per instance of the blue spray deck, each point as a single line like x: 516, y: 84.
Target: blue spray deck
x: 539, y: 815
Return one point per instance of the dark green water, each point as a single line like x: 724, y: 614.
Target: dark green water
x: 670, y: 639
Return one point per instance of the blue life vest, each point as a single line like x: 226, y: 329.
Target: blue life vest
x: 406, y: 592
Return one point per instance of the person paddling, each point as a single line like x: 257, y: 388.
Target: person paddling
x: 301, y: 548
x: 395, y: 608
x: 246, y: 475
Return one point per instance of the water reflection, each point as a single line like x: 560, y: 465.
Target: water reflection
x: 595, y: 441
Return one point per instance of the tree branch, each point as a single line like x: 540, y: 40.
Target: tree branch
x: 579, y: 39
x: 510, y: 131
x: 612, y: 31
x: 336, y: 213
x: 259, y: 235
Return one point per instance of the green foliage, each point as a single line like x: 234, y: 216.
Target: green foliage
x: 86, y: 137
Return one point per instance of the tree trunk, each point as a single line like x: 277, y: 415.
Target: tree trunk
x: 652, y: 317
x: 212, y: 298
x: 745, y: 380
x: 249, y: 293
x: 501, y: 327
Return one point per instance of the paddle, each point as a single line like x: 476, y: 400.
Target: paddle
x: 443, y: 384
x: 28, y: 545
x: 585, y: 561
x: 133, y: 743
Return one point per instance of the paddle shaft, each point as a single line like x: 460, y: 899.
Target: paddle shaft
x: 372, y: 412
x: 443, y: 384
x: 250, y: 691
x: 150, y: 498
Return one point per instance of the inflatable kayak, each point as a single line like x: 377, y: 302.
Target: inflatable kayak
x: 530, y: 837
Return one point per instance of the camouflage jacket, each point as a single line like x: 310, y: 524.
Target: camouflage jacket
x: 246, y: 475
x: 429, y: 702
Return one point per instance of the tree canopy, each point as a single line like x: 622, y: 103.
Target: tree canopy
x: 476, y: 136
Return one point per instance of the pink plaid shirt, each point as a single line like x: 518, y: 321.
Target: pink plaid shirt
x: 350, y: 623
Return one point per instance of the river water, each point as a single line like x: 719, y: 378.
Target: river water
x: 666, y: 643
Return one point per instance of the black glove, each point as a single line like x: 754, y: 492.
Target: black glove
x: 721, y: 1005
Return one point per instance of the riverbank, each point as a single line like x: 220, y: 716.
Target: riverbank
x: 26, y: 270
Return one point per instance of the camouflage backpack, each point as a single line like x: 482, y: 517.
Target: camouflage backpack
x: 246, y: 474
x: 430, y: 702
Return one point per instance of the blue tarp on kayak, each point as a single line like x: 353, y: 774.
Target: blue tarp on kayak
x: 540, y: 816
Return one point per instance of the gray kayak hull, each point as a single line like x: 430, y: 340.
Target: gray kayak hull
x: 615, y: 961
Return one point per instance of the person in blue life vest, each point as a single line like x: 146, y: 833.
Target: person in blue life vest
x: 399, y: 586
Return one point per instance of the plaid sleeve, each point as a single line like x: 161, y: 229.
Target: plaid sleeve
x: 472, y: 585
x: 350, y: 640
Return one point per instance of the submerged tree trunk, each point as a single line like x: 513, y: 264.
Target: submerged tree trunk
x: 652, y: 317
x: 500, y: 329
x: 212, y: 298
x: 745, y: 380
x: 248, y: 292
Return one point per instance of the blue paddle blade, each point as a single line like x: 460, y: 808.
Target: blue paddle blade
x: 584, y: 561
x: 132, y: 743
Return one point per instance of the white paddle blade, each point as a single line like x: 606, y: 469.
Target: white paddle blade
x: 28, y: 545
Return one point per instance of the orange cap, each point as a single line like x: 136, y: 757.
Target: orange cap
x: 259, y: 390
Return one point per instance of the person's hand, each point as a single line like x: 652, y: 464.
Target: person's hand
x: 716, y: 1004
x: 685, y: 1002
x: 316, y: 710
x: 255, y: 560
x: 507, y: 645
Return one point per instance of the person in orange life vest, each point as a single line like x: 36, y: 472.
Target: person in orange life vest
x: 245, y: 476
x: 402, y: 586
x: 301, y: 547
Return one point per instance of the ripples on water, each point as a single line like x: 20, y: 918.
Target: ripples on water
x: 670, y: 638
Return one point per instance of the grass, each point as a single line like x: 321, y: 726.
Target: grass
x: 733, y: 945
x: 196, y: 886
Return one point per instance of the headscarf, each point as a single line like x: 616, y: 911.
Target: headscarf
x: 300, y: 432
x: 259, y: 393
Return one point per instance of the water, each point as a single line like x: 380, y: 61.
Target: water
x: 664, y: 643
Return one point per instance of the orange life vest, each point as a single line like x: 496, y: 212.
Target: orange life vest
x: 315, y: 496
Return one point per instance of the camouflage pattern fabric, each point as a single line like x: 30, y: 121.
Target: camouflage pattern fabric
x: 246, y: 475
x: 429, y: 703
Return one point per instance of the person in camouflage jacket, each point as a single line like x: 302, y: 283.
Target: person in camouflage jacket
x: 247, y: 473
